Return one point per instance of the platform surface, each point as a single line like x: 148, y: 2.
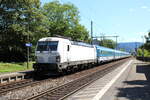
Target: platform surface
x: 130, y: 81
x: 15, y: 73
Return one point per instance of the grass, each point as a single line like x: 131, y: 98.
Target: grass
x: 14, y: 67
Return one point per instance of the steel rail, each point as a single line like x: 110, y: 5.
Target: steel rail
x: 62, y: 91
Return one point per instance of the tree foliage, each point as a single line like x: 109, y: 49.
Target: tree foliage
x: 144, y: 50
x: 147, y: 44
x: 105, y: 42
x: 23, y: 21
x: 17, y: 21
x: 148, y: 37
x: 64, y: 20
x: 108, y: 43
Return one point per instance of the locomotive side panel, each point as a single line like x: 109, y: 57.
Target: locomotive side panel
x: 82, y: 53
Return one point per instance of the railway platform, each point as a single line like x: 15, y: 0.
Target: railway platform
x: 130, y: 81
x: 14, y: 76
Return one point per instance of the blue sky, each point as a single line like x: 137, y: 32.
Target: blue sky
x: 129, y: 19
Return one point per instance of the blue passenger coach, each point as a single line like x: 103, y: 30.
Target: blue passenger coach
x: 106, y: 54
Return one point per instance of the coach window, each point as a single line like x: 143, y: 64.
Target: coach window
x: 68, y: 47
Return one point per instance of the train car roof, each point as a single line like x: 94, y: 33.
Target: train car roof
x: 104, y: 48
x: 109, y: 49
x: 81, y: 44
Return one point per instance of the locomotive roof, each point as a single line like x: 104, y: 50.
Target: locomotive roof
x: 51, y: 38
x: 72, y: 42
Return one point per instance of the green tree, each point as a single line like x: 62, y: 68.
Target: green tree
x: 64, y: 20
x: 108, y: 43
x: 147, y: 44
x: 144, y: 50
x: 148, y: 38
x: 20, y: 21
x: 140, y: 52
x: 23, y: 21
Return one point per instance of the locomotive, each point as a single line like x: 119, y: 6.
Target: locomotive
x: 60, y: 55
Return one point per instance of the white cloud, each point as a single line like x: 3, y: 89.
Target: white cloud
x: 144, y: 7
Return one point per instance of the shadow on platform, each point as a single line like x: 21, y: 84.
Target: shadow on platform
x: 137, y: 89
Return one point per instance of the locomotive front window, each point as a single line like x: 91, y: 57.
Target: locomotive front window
x: 47, y: 46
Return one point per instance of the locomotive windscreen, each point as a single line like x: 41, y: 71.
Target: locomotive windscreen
x: 47, y: 46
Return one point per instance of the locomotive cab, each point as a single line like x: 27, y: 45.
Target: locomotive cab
x: 46, y: 52
x: 51, y: 53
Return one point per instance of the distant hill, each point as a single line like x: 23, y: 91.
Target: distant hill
x: 129, y: 46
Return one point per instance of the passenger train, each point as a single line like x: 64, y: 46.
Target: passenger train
x: 55, y: 54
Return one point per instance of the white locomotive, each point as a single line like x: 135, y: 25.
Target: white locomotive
x: 54, y: 54
x: 59, y: 54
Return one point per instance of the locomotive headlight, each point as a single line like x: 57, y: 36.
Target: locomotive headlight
x: 57, y: 58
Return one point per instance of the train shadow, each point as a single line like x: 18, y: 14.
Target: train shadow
x: 137, y: 89
x: 58, y: 75
x: 36, y: 77
x: 40, y: 76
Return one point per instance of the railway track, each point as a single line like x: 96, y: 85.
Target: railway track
x: 18, y: 85
x: 62, y: 91
x: 56, y: 93
x: 15, y: 85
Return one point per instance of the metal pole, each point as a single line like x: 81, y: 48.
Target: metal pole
x: 135, y: 48
x: 92, y: 32
x: 28, y: 50
x: 28, y: 58
x: 143, y: 47
x: 115, y: 48
x: 116, y: 42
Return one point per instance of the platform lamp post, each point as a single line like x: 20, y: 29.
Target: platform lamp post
x: 28, y: 45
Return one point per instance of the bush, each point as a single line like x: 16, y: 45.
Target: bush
x: 140, y: 53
